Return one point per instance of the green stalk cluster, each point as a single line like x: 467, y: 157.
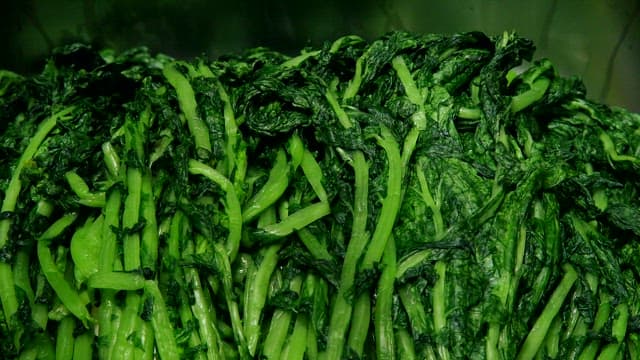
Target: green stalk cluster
x: 428, y: 196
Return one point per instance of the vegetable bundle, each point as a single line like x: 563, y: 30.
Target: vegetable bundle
x: 414, y: 197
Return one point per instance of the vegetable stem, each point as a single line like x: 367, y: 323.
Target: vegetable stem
x: 279, y: 327
x: 405, y: 347
x: 80, y: 188
x: 116, y: 281
x: 130, y: 218
x: 65, y: 291
x: 232, y: 204
x: 342, y: 307
x: 390, y: 204
x: 297, y: 220
x: 541, y: 326
x: 108, y: 250
x: 538, y: 88
x: 150, y: 243
x: 64, y: 339
x: 108, y: 322
x: 383, y: 317
x: 257, y: 295
x: 187, y: 102
x: 202, y: 310
x: 272, y: 190
x: 83, y: 346
x: 7, y: 289
x: 439, y: 304
x: 162, y: 328
x: 360, y: 323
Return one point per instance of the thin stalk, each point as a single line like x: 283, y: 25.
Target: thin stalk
x: 342, y: 308
x: 65, y: 291
x: 279, y: 327
x: 618, y: 330
x: 405, y: 348
x: 83, y: 346
x: 108, y: 250
x: 439, y: 303
x: 257, y: 296
x: 360, y: 323
x: 123, y: 347
x: 537, y: 334
x: 298, y: 220
x: 232, y: 305
x: 108, y: 323
x: 232, y: 204
x: 272, y: 190
x: 150, y: 242
x: 383, y: 311
x: 187, y: 102
x: 162, y: 328
x: 64, y: 338
x: 386, y: 219
x: 21, y: 274
x: 202, y: 309
x: 7, y: 287
x: 81, y: 189
x: 297, y: 343
x: 130, y: 218
x: 116, y: 280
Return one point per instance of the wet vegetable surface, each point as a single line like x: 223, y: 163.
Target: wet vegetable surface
x: 418, y: 196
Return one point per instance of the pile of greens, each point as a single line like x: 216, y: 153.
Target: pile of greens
x: 415, y: 197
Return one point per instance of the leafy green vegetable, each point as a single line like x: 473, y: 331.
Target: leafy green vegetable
x: 415, y: 197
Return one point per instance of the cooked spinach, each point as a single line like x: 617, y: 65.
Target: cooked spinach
x: 414, y: 197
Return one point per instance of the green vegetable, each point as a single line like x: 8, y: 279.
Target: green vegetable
x: 414, y: 197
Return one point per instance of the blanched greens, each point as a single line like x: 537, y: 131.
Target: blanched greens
x: 415, y: 197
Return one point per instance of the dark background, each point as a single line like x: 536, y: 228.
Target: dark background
x: 596, y: 39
